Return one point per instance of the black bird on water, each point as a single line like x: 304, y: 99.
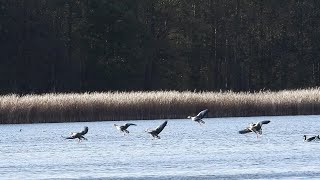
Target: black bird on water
x: 123, y: 128
x: 255, y: 127
x: 198, y: 118
x: 78, y: 135
x: 313, y: 138
x: 155, y: 132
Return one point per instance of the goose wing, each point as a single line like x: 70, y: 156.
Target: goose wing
x: 85, y: 131
x: 160, y: 128
x: 71, y: 137
x: 126, y: 125
x: 258, y: 125
x: 244, y: 131
x: 264, y: 122
x: 203, y: 113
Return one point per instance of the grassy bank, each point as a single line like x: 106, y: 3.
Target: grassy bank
x: 153, y: 105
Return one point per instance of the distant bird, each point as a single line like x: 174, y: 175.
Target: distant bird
x: 155, y: 132
x: 313, y: 138
x: 124, y: 127
x: 198, y: 118
x: 255, y: 127
x: 78, y: 135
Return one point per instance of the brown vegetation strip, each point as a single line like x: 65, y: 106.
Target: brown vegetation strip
x: 153, y: 105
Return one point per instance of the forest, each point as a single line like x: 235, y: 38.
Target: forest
x: 149, y: 45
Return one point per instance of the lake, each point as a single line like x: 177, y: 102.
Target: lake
x: 186, y: 150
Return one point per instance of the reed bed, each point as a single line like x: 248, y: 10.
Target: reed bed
x: 108, y: 106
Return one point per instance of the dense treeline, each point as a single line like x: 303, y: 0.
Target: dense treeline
x: 99, y: 45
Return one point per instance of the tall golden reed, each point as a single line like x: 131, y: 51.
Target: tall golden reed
x: 153, y: 105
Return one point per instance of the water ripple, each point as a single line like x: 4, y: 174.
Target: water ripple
x: 185, y: 150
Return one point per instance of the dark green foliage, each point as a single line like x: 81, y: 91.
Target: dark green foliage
x: 100, y: 45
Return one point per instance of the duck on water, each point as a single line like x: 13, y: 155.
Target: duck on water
x: 313, y: 138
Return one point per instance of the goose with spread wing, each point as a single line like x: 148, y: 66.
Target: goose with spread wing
x: 155, y: 132
x: 123, y: 128
x: 255, y: 127
x: 78, y: 135
x: 198, y: 118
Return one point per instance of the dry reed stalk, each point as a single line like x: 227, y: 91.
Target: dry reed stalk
x: 97, y: 106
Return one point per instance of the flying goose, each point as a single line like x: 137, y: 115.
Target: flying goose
x: 198, y: 118
x: 123, y: 128
x: 155, y: 132
x: 79, y: 135
x: 313, y: 138
x: 255, y: 127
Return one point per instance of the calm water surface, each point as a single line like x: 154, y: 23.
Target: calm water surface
x: 186, y: 150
